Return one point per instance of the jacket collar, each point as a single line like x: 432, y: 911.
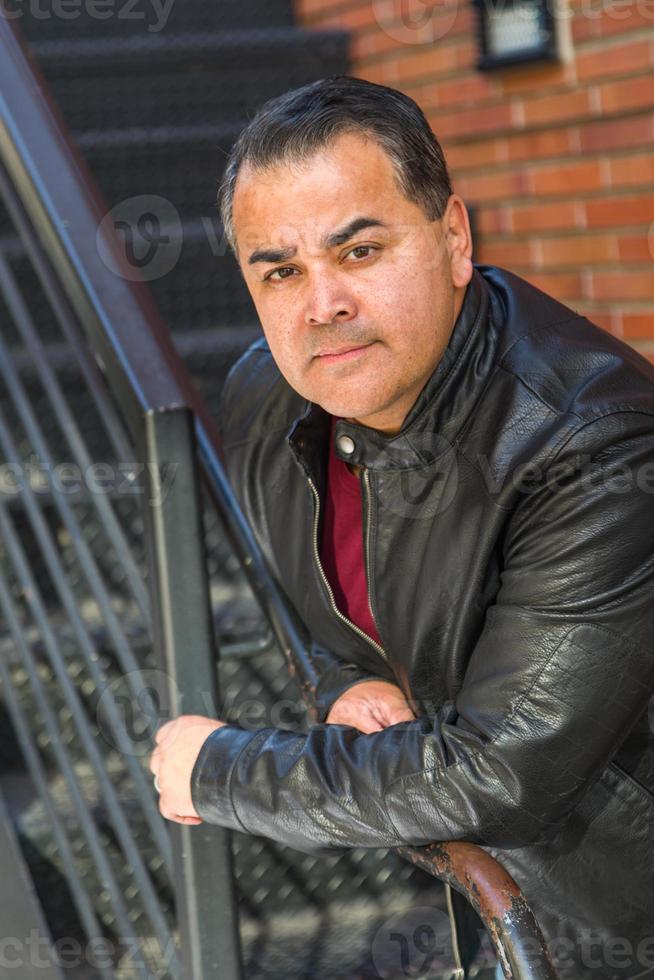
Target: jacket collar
x: 438, y: 413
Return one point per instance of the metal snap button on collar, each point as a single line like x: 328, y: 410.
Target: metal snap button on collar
x: 346, y: 445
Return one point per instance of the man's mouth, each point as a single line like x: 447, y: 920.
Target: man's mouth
x: 344, y: 353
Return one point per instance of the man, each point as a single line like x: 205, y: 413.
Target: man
x: 451, y: 475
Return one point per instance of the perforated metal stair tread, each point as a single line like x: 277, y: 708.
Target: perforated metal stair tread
x: 265, y: 44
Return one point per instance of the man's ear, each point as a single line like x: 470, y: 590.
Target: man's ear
x: 458, y: 240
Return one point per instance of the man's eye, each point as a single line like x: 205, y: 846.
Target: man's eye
x: 285, y: 268
x: 364, y: 248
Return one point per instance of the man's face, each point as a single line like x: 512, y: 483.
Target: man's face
x: 356, y: 290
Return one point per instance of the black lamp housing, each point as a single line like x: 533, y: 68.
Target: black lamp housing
x: 515, y: 32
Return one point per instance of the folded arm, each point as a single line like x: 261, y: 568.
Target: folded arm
x: 563, y: 668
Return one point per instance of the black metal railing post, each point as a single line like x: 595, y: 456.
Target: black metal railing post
x: 206, y: 899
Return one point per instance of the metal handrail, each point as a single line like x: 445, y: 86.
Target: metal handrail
x: 150, y: 381
x: 496, y: 898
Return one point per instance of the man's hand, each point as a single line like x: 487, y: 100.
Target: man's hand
x: 178, y: 746
x: 370, y: 706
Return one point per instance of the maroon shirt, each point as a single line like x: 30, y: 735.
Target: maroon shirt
x: 341, y: 551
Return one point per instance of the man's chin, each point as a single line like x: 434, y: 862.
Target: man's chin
x: 351, y: 411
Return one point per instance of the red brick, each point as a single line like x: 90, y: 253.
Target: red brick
x: 537, y: 78
x: 563, y: 286
x: 508, y: 255
x: 416, y: 23
x: 467, y: 53
x: 629, y: 93
x: 408, y: 64
x: 314, y: 9
x: 614, y: 21
x: 623, y: 285
x: 583, y: 28
x: 638, y: 326
x: 382, y: 30
x: 632, y: 171
x: 616, y: 18
x: 623, y: 59
x: 472, y: 155
x: 544, y: 217
x: 353, y: 19
x: 568, y: 178
x: 484, y: 188
x: 577, y: 250
x: 612, y: 134
x: 638, y: 248
x: 632, y: 210
x: 470, y: 122
x: 379, y: 72
x: 372, y: 44
x: 327, y: 6
x: 530, y: 146
x: 492, y: 221
x: 557, y: 108
x: 462, y: 91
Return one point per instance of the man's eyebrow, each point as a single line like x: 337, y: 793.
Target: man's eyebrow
x: 350, y: 229
x: 336, y: 238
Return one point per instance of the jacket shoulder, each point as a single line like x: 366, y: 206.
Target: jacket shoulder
x: 571, y: 364
x: 256, y: 399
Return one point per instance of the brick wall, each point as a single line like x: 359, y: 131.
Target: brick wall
x: 558, y: 160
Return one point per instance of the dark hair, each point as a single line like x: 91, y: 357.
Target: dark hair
x: 293, y: 126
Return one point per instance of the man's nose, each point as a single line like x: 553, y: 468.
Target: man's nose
x: 328, y: 301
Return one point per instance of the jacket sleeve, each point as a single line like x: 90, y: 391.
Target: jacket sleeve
x: 563, y: 668
x: 335, y: 677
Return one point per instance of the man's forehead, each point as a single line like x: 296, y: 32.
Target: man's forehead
x: 330, y: 181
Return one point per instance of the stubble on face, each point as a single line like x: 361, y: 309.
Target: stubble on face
x: 399, y: 302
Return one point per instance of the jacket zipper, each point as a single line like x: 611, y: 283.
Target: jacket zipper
x: 366, y: 482
x: 316, y: 555
x: 458, y: 973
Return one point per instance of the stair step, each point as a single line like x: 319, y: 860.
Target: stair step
x: 183, y: 164
x: 147, y: 18
x: 203, y: 287
x: 202, y: 79
x: 96, y: 55
x: 201, y: 349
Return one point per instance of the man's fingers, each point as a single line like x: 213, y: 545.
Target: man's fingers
x: 396, y: 717
x: 162, y: 733
x: 376, y: 717
x: 368, y: 727
x: 154, y: 761
x: 363, y: 718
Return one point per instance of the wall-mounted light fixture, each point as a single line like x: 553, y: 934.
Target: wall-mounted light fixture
x: 513, y: 32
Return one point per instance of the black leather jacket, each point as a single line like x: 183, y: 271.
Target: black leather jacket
x: 509, y: 539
